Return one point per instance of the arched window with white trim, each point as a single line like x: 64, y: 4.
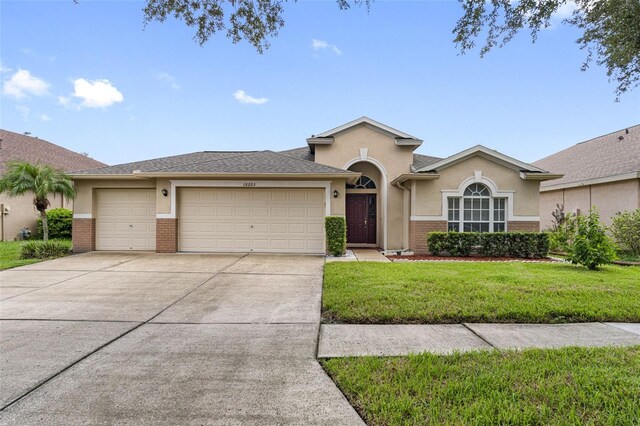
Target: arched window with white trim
x: 477, y: 211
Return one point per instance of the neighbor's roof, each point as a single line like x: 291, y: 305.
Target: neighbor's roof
x: 611, y: 157
x: 18, y: 147
x: 212, y: 162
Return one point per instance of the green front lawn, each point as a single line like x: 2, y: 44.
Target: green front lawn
x: 572, y: 386
x: 455, y: 292
x: 10, y: 255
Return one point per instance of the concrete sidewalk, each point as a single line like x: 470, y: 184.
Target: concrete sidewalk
x: 342, y: 340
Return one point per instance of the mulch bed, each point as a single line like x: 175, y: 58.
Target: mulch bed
x: 429, y: 258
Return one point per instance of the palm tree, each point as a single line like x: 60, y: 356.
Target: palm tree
x: 40, y: 179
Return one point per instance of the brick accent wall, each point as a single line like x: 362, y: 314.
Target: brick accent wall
x: 533, y: 226
x: 418, y: 233
x: 166, y: 235
x: 83, y: 235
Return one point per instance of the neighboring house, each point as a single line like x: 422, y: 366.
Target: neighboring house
x: 19, y: 212
x: 264, y: 201
x: 602, y: 172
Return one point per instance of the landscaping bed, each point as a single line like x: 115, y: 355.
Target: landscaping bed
x: 428, y: 257
x: 457, y: 292
x: 570, y: 386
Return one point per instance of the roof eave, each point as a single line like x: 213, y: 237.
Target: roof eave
x: 414, y: 176
x: 593, y: 181
x: 409, y: 142
x: 525, y: 175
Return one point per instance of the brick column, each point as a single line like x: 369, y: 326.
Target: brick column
x: 83, y: 235
x: 517, y: 226
x: 418, y: 231
x: 166, y: 235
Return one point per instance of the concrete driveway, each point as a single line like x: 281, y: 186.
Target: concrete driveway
x: 139, y: 338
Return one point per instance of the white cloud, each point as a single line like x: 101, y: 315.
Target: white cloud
x: 94, y: 94
x: 169, y: 79
x: 44, y: 117
x: 322, y: 45
x: 4, y: 69
x: 22, y: 84
x: 24, y: 111
x: 565, y: 10
x: 242, y: 97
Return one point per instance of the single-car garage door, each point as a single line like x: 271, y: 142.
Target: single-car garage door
x: 282, y: 220
x: 125, y: 219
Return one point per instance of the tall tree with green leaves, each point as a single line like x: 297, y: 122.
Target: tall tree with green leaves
x: 610, y: 28
x: 41, y: 180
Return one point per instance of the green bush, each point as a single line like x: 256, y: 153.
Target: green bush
x: 591, y: 246
x: 562, y: 235
x: 336, y: 229
x: 489, y: 244
x: 626, y: 231
x: 44, y: 249
x: 60, y: 222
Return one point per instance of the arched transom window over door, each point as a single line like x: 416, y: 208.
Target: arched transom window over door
x: 477, y: 211
x: 363, y: 182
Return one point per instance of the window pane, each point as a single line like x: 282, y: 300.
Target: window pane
x: 483, y: 227
x: 485, y: 204
x: 476, y: 215
x: 467, y: 203
x: 467, y: 215
x: 456, y: 215
x: 453, y: 227
x: 498, y: 227
x: 476, y: 204
x: 485, y: 215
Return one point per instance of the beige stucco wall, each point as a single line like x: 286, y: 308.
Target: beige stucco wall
x: 609, y: 198
x: 85, y: 203
x: 428, y: 197
x: 381, y: 148
x: 23, y: 214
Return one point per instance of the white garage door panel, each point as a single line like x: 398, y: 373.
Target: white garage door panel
x: 284, y: 220
x: 125, y: 219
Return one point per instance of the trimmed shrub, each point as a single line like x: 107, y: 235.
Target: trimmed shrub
x: 336, y: 229
x: 489, y: 244
x: 44, y: 249
x: 626, y: 231
x: 591, y: 246
x: 60, y: 222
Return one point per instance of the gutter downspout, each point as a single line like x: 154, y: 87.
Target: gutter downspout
x: 406, y: 212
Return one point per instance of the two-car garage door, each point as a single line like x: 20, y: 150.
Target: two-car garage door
x: 283, y: 220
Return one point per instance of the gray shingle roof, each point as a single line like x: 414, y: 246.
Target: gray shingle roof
x: 247, y: 162
x: 18, y: 147
x: 420, y: 161
x: 609, y: 155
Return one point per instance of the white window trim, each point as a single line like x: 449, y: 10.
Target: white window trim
x: 175, y: 184
x: 476, y: 178
x: 491, y: 221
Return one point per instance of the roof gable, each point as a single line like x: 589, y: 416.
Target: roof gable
x: 401, y: 138
x: 485, y: 152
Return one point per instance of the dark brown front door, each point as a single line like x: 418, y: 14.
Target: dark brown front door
x: 361, y: 218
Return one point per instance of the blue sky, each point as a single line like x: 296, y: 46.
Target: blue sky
x: 90, y: 78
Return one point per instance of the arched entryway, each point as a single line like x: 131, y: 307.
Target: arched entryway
x: 364, y: 207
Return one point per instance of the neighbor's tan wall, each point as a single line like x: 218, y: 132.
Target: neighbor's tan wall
x: 85, y: 202
x: 429, y: 193
x: 23, y: 214
x: 381, y: 147
x: 609, y: 198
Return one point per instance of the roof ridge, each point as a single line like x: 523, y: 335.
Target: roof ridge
x: 209, y: 160
x: 607, y: 134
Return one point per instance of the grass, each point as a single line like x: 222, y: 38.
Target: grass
x: 455, y: 292
x: 570, y: 386
x: 10, y: 254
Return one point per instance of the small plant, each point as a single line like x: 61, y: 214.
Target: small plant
x: 591, y: 247
x: 561, y: 236
x: 44, y: 249
x: 626, y: 231
x: 60, y: 223
x: 336, y: 229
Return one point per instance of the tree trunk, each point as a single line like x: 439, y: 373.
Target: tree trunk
x: 45, y: 225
